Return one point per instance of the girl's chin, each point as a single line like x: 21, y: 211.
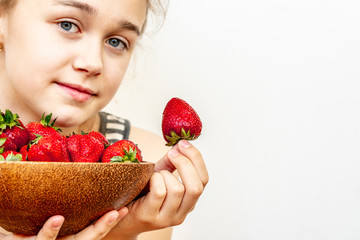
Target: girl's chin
x: 68, y: 121
x: 68, y: 128
x: 75, y: 123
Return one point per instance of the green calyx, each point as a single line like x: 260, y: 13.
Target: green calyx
x: 174, y: 138
x: 9, y: 120
x: 11, y: 157
x: 2, y: 142
x: 129, y: 157
x: 46, y: 122
x: 35, y: 141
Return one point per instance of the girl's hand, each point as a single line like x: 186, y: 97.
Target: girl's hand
x: 52, y: 227
x: 170, y: 199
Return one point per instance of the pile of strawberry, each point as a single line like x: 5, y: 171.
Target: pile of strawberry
x: 42, y: 141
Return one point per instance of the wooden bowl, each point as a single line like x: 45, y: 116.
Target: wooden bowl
x: 31, y: 192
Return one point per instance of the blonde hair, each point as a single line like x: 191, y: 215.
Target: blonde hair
x: 158, y: 10
x: 7, y: 4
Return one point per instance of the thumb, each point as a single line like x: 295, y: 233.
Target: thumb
x: 164, y: 163
x: 51, y: 228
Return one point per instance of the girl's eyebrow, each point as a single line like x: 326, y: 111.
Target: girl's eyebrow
x: 130, y: 26
x: 82, y: 6
x: 92, y: 11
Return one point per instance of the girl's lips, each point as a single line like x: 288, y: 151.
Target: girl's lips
x: 77, y: 92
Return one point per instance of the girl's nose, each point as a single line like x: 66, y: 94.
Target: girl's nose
x: 89, y: 60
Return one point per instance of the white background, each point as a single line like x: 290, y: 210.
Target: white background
x: 276, y: 84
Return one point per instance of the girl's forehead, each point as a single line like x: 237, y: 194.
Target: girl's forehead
x: 89, y: 4
x: 133, y: 10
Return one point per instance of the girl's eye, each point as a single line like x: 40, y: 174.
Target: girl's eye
x: 69, y: 26
x: 117, y: 43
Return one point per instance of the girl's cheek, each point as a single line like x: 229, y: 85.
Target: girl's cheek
x: 116, y: 69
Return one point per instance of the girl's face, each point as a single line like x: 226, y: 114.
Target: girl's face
x: 66, y: 57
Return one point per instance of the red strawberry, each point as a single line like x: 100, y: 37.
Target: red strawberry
x: 6, y: 144
x: 84, y: 148
x: 122, y: 151
x: 11, y: 156
x: 46, y: 149
x: 24, y: 152
x: 180, y: 121
x: 14, y: 129
x: 44, y: 128
x: 99, y: 136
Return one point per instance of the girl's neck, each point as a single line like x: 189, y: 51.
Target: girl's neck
x: 92, y: 124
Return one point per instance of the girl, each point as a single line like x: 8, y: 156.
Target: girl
x: 68, y: 57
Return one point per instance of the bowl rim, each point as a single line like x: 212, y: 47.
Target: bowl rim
x: 77, y: 163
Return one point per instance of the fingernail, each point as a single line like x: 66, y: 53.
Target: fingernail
x: 57, y: 223
x: 185, y: 144
x: 174, y: 153
x: 113, y: 217
x: 122, y: 212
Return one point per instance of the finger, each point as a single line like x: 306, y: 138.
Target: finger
x: 164, y: 164
x: 175, y: 193
x: 51, y: 228
x: 186, y: 148
x: 102, y: 226
x: 153, y: 201
x: 190, y: 178
x: 122, y: 213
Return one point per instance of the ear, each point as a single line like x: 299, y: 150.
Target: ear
x: 3, y: 25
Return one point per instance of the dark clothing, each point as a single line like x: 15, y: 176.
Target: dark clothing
x: 113, y: 127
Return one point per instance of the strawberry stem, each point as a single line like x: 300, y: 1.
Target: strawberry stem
x: 46, y: 122
x: 9, y: 120
x: 175, y: 138
x: 129, y: 156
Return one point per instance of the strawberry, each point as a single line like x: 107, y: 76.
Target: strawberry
x: 180, y: 121
x: 99, y: 136
x: 46, y: 149
x: 11, y: 156
x: 24, y: 152
x: 6, y: 144
x: 44, y: 128
x: 7, y: 151
x: 122, y: 151
x: 84, y: 148
x: 14, y: 129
